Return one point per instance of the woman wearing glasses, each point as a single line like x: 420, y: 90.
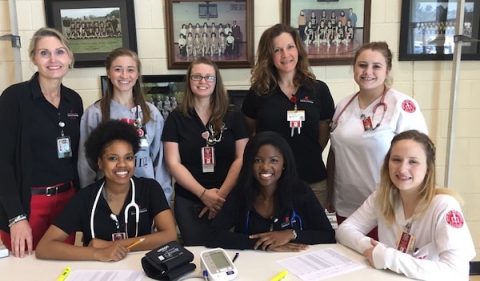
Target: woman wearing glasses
x: 204, y: 139
x: 40, y: 121
x: 124, y: 101
x: 362, y: 128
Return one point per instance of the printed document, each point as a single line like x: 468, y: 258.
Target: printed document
x: 105, y: 275
x: 320, y: 264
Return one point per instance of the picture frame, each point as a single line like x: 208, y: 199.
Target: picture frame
x: 315, y: 22
x: 163, y: 91
x: 427, y: 30
x: 170, y: 87
x: 93, y: 28
x: 190, y: 21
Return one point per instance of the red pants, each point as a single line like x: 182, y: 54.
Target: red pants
x: 372, y: 234
x: 43, y: 210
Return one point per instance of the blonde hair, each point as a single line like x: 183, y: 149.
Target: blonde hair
x: 48, y: 32
x: 388, y: 194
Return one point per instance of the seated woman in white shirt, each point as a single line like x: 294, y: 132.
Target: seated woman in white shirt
x: 116, y: 211
x: 421, y: 229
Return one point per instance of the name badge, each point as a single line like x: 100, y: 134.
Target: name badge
x: 406, y: 242
x: 208, y: 159
x: 119, y: 236
x: 295, y: 115
x: 64, y: 149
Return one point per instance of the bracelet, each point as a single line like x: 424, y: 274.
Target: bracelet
x: 16, y: 219
x: 203, y: 192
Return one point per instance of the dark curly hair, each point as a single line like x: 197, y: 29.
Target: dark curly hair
x: 105, y: 134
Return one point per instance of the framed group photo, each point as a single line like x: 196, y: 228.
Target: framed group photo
x: 427, y: 30
x: 221, y: 30
x: 332, y: 30
x: 93, y: 28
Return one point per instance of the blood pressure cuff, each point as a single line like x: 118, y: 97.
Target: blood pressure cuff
x: 168, y: 262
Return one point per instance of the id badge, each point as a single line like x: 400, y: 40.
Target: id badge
x: 406, y: 242
x: 208, y: 159
x: 144, y: 143
x: 64, y: 149
x: 295, y: 115
x: 119, y: 236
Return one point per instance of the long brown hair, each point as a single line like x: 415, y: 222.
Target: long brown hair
x: 264, y: 73
x: 219, y: 102
x: 138, y: 98
x: 388, y: 194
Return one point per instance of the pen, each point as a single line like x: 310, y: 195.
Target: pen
x: 280, y: 275
x: 64, y: 274
x: 135, y: 243
x: 235, y: 257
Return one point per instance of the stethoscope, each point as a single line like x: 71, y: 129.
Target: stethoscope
x: 132, y: 204
x: 294, y: 218
x: 367, y: 121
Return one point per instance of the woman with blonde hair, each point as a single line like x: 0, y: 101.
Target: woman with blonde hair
x: 40, y: 121
x: 422, y: 232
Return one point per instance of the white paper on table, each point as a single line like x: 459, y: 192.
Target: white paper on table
x: 105, y: 275
x: 320, y: 264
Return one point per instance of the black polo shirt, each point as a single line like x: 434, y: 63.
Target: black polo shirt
x: 270, y: 113
x: 47, y: 168
x: 149, y: 197
x: 187, y: 132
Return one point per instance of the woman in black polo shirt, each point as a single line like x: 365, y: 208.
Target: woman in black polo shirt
x: 40, y: 121
x: 204, y: 139
x: 286, y: 98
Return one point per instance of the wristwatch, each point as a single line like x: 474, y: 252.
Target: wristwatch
x: 294, y: 235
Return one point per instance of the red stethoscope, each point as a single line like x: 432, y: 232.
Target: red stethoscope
x: 366, y: 120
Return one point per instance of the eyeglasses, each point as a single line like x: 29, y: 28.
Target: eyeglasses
x: 46, y: 54
x: 198, y: 77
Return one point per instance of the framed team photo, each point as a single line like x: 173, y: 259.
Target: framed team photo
x: 93, y: 28
x: 331, y: 30
x: 427, y: 30
x: 221, y: 30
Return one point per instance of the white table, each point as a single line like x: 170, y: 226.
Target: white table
x: 252, y: 265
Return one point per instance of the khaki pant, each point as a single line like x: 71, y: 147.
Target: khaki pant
x: 320, y: 191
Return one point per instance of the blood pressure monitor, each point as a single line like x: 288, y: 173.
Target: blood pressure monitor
x: 218, y: 265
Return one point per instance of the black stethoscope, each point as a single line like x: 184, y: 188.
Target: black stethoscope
x: 292, y: 222
x: 132, y: 204
x: 366, y: 120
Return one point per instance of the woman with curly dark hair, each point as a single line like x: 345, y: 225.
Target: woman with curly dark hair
x: 117, y: 210
x: 286, y: 98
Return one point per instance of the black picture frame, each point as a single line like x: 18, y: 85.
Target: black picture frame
x: 180, y: 52
x: 427, y: 30
x: 332, y: 51
x: 93, y: 28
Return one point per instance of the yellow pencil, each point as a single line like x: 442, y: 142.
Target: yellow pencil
x: 135, y: 243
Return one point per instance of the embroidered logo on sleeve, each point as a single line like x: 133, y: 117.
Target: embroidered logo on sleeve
x: 454, y: 218
x: 408, y: 106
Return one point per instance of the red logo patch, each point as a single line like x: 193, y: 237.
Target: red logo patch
x: 454, y: 218
x: 408, y: 106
